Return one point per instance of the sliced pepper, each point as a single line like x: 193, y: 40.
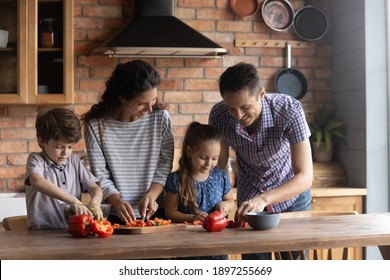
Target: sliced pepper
x: 197, y: 222
x: 215, y: 221
x: 80, y: 225
x: 233, y: 224
x: 102, y: 228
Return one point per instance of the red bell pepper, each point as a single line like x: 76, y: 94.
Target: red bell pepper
x: 215, y: 221
x: 80, y: 225
x: 102, y: 228
x: 233, y: 224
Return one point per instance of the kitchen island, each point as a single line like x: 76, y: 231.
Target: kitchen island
x: 291, y: 234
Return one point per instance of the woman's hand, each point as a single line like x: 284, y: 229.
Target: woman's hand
x: 123, y: 209
x: 147, y: 207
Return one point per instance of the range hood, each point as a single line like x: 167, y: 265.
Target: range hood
x: 156, y: 32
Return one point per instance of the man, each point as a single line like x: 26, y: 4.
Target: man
x: 270, y: 136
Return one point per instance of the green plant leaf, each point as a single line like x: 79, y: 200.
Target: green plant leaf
x: 326, y: 129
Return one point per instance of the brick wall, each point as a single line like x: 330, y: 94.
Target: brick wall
x: 189, y: 85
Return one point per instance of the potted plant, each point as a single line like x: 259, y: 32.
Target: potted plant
x: 325, y: 131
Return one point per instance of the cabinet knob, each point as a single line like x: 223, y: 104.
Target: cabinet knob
x: 313, y: 200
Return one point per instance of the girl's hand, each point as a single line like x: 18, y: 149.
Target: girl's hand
x: 200, y: 216
x: 221, y: 207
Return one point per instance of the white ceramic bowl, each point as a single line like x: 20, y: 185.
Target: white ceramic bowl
x: 262, y: 220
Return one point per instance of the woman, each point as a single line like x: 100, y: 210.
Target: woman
x: 130, y: 142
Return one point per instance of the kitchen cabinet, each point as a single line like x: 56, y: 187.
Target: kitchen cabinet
x: 339, y: 199
x: 32, y: 71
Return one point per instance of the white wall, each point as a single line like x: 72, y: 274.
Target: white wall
x: 361, y: 97
x: 348, y: 34
x: 376, y: 110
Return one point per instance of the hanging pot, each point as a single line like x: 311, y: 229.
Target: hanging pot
x: 310, y: 23
x: 289, y: 80
x: 244, y: 7
x: 277, y: 14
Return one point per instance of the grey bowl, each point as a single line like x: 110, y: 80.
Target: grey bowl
x: 262, y: 220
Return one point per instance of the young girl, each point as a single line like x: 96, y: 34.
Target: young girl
x: 197, y: 188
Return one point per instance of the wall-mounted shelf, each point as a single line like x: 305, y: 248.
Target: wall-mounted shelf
x: 268, y: 43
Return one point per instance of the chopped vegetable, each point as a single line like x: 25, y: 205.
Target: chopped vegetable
x: 149, y: 223
x: 102, y: 228
x: 233, y: 224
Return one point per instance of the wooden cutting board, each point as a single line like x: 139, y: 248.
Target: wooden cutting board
x: 122, y: 229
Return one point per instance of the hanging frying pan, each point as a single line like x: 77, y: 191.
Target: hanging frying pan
x: 277, y: 14
x: 310, y: 23
x: 290, y: 81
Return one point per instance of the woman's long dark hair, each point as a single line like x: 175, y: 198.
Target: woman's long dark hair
x: 196, y: 134
x: 128, y: 80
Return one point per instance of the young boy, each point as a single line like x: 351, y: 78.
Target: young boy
x: 55, y: 177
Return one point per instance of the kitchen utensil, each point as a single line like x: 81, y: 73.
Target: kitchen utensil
x: 310, y: 23
x: 277, y: 14
x: 122, y: 229
x: 289, y: 80
x: 262, y: 220
x: 244, y: 7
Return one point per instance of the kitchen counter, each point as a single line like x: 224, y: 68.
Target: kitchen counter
x: 329, y: 192
x: 337, y: 191
x: 291, y: 234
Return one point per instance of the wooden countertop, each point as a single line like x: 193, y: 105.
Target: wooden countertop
x: 291, y: 234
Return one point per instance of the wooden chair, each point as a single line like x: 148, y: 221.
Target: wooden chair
x: 15, y: 223
x: 315, y: 253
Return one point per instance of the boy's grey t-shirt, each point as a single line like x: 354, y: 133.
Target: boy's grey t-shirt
x: 45, y: 212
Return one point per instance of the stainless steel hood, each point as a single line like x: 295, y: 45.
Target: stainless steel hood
x: 155, y: 32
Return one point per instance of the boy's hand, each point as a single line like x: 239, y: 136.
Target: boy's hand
x: 97, y: 212
x: 81, y: 209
